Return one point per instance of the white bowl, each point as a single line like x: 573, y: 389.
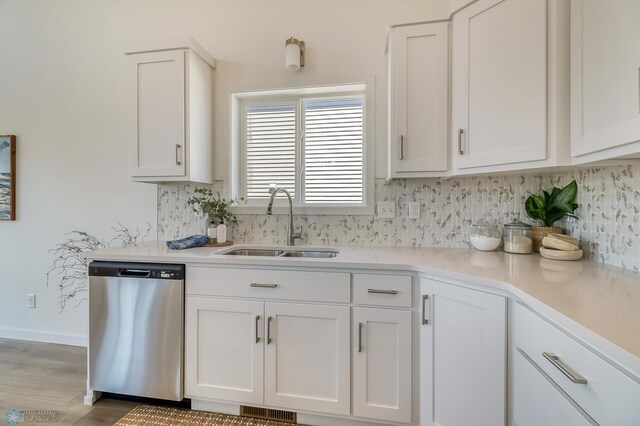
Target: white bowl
x: 485, y: 243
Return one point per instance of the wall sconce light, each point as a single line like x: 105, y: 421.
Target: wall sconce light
x: 294, y: 54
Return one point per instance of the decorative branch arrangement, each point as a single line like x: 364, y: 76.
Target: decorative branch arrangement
x: 71, y: 267
x: 213, y: 205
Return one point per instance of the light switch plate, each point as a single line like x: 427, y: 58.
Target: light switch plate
x: 414, y: 209
x: 386, y: 210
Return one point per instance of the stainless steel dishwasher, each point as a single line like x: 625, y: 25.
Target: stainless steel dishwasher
x: 136, y: 314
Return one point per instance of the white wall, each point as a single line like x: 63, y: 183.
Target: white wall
x: 61, y: 75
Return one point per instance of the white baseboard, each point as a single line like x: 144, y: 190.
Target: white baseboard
x: 215, y: 407
x: 41, y: 336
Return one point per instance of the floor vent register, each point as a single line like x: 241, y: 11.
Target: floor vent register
x: 268, y: 414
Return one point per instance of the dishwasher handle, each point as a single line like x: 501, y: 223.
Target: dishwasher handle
x: 136, y: 273
x: 139, y: 270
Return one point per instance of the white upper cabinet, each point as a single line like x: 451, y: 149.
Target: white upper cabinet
x: 510, y: 85
x: 418, y: 100
x: 605, y: 78
x: 171, y: 118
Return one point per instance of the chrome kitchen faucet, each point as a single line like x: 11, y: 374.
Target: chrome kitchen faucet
x: 291, y: 236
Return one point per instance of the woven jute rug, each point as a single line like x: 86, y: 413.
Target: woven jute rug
x: 144, y: 415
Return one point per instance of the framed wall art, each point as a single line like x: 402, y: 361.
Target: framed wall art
x: 7, y: 177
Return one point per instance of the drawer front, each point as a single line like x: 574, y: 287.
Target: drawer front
x: 269, y: 284
x: 382, y: 290
x: 536, y: 401
x: 609, y: 396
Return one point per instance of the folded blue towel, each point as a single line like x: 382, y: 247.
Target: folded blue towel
x: 189, y: 242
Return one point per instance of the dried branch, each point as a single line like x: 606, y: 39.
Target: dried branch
x: 69, y: 268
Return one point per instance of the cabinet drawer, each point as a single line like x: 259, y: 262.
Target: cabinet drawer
x: 537, y: 402
x: 269, y: 284
x: 609, y: 396
x: 382, y: 290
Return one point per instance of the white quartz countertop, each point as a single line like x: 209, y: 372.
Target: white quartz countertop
x: 602, y: 300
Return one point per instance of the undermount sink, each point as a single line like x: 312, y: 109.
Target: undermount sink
x: 297, y: 252
x: 255, y: 252
x: 310, y: 253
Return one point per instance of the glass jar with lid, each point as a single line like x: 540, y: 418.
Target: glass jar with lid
x: 518, y: 237
x: 485, y: 237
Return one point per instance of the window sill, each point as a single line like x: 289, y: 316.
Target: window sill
x: 306, y: 211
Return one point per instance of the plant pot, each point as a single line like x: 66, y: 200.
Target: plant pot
x: 539, y: 232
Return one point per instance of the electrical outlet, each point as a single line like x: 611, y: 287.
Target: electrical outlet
x: 31, y: 300
x: 387, y: 210
x: 414, y: 209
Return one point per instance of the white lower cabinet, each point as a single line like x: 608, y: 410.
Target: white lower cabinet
x: 601, y: 388
x: 382, y: 364
x: 250, y: 344
x: 462, y: 356
x: 536, y: 401
x: 224, y: 349
x: 287, y: 355
x: 307, y: 363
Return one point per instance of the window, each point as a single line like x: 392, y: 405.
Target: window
x: 312, y: 142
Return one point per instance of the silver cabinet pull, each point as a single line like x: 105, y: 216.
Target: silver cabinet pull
x: 564, y: 369
x: 425, y: 319
x: 178, y: 162
x: 268, y: 330
x: 460, y: 150
x: 259, y: 285
x: 359, y: 337
x: 402, y: 147
x: 257, y: 329
x: 377, y: 291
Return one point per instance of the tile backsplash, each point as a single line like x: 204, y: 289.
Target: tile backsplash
x: 609, y: 225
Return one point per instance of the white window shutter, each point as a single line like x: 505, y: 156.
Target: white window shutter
x: 270, y: 142
x: 333, y: 151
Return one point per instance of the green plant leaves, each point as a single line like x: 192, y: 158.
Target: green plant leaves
x: 213, y: 205
x: 566, y: 195
x: 535, y: 207
x: 553, y: 206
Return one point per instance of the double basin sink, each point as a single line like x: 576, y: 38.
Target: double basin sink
x: 283, y: 252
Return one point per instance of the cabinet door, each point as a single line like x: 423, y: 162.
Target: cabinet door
x: 382, y: 364
x: 224, y: 349
x: 499, y: 109
x: 307, y: 362
x: 159, y: 100
x: 605, y: 74
x: 462, y: 356
x: 537, y: 402
x: 419, y: 101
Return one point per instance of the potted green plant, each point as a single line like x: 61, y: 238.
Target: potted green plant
x: 550, y: 208
x: 217, y: 208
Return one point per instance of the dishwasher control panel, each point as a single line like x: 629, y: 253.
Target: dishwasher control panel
x: 136, y: 270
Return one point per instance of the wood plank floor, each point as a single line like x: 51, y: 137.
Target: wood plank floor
x: 48, y: 377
